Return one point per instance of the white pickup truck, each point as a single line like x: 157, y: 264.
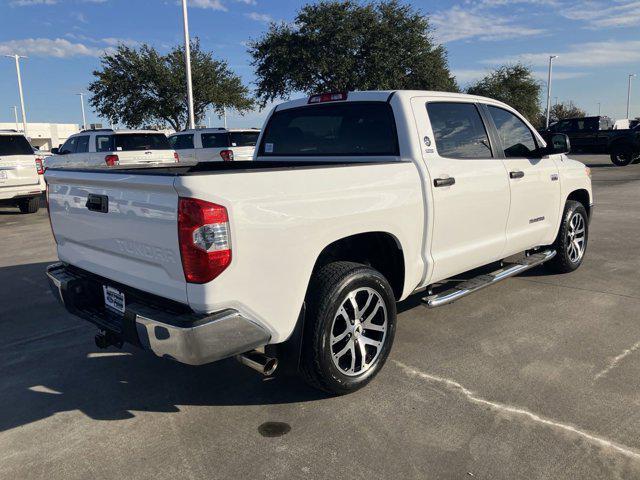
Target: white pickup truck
x: 355, y: 201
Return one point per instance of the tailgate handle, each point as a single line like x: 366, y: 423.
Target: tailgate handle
x: 98, y: 203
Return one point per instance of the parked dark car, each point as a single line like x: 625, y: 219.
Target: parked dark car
x: 596, y: 135
x: 589, y: 134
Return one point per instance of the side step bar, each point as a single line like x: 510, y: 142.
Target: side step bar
x: 482, y: 281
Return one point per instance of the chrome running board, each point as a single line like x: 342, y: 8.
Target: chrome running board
x: 482, y: 281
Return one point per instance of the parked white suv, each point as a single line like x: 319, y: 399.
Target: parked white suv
x: 354, y: 202
x: 97, y: 148
x: 21, y: 181
x: 215, y: 144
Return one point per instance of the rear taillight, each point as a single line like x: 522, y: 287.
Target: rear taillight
x: 46, y: 196
x: 111, y: 160
x: 227, y: 155
x: 176, y: 157
x: 205, y: 239
x: 39, y: 166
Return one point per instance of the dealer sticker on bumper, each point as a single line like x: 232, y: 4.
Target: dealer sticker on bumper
x: 113, y: 299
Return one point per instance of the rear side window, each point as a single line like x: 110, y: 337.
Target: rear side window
x: 14, y: 145
x: 215, y: 140
x: 244, y: 139
x: 141, y: 141
x: 347, y: 129
x: 517, y: 139
x: 82, y: 144
x: 181, y: 142
x: 458, y: 130
x: 104, y: 143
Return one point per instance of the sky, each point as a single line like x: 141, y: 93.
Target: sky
x: 597, y: 43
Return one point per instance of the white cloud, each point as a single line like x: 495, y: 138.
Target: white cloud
x: 597, y: 14
x: 30, y: 3
x: 208, y: 4
x: 114, y: 42
x: 248, y: 2
x: 590, y: 54
x: 465, y: 23
x: 467, y: 76
x: 259, y: 17
x: 46, y: 47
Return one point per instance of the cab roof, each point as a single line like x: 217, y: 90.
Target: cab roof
x: 387, y: 95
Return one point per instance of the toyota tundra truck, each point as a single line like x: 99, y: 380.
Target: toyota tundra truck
x: 354, y: 202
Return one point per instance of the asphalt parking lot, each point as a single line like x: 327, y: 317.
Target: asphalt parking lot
x: 537, y: 377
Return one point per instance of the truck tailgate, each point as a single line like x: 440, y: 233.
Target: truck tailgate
x: 135, y: 242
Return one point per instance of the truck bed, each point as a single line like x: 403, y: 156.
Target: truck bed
x: 213, y: 168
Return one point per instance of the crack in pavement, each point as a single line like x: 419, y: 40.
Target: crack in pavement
x: 614, y: 363
x: 517, y: 411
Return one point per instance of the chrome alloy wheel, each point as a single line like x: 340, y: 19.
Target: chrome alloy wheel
x: 576, y: 236
x: 358, y: 331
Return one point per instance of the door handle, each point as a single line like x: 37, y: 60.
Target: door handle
x: 516, y: 174
x: 444, y: 182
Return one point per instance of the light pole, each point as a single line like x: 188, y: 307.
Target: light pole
x: 187, y: 63
x: 631, y: 75
x: 599, y: 108
x: 15, y: 114
x: 84, y: 118
x: 24, y: 115
x: 551, y: 57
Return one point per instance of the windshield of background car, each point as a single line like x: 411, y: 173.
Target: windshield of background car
x: 345, y: 129
x: 14, y: 145
x: 141, y: 141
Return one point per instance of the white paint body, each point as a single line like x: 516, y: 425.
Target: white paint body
x: 282, y: 219
x: 18, y: 174
x: 93, y: 157
x: 201, y: 153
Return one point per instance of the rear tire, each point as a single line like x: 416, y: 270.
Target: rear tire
x: 349, y: 327
x: 571, y: 242
x: 621, y: 156
x: 29, y: 205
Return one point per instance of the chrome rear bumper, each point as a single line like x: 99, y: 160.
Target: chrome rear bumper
x: 171, y: 331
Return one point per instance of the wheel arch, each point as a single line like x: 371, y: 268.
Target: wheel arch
x: 582, y: 196
x: 379, y: 250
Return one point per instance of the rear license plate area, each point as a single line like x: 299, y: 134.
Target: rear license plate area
x: 114, y: 299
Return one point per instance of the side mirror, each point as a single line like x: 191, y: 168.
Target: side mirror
x: 55, y: 150
x: 556, y: 143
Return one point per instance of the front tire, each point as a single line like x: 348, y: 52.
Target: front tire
x: 349, y: 327
x: 29, y: 205
x: 573, y: 237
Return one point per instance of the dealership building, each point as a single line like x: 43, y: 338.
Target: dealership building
x: 45, y: 135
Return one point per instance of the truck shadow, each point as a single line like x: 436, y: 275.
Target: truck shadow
x: 49, y: 364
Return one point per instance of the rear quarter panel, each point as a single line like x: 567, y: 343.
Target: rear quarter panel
x: 281, y: 221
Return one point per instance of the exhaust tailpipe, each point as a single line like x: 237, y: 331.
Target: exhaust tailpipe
x: 259, y: 362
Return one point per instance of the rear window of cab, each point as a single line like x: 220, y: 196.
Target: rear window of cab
x: 333, y: 129
x: 14, y: 145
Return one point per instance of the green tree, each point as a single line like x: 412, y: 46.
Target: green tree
x: 335, y: 46
x: 563, y: 110
x: 138, y: 86
x: 514, y: 85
